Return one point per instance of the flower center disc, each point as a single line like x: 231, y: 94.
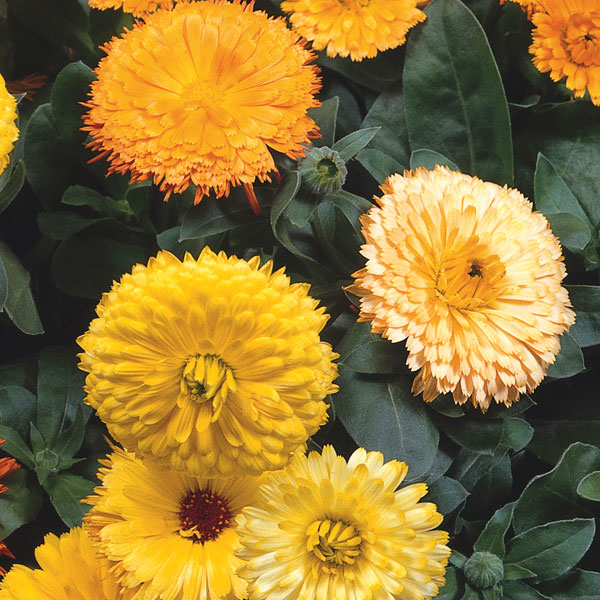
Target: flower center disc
x: 581, y: 38
x: 206, y: 378
x: 203, y: 516
x: 333, y: 542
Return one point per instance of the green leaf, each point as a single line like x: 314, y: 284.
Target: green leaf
x: 451, y: 80
x: 60, y: 392
x: 49, y: 163
x: 551, y: 550
x: 589, y: 486
x: 77, y: 195
x: 569, y: 361
x: 13, y: 186
x: 429, y: 159
x: 366, y: 352
x: 379, y: 164
x: 325, y: 116
x: 349, y: 146
x: 3, y: 285
x: 447, y: 494
x: 553, y: 495
x: 376, y: 73
x: 521, y: 591
x: 451, y: 588
x: 576, y: 585
x: 66, y: 492
x: 17, y: 408
x: 61, y: 225
x: 491, y: 538
x: 300, y: 209
x: 572, y: 232
x: 217, y: 215
x: 19, y: 304
x: 20, y: 504
x: 513, y: 572
x: 586, y: 303
x: 71, y: 87
x: 69, y: 440
x: 15, y: 445
x: 470, y: 593
x: 380, y: 413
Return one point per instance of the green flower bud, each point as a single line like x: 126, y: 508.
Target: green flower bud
x: 323, y: 171
x: 484, y: 570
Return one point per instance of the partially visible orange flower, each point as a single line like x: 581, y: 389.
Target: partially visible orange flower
x: 566, y: 43
x: 470, y: 277
x: 528, y: 6
x: 198, y: 95
x: 7, y: 466
x: 358, y: 28
x: 28, y: 85
x: 136, y: 7
x: 5, y: 551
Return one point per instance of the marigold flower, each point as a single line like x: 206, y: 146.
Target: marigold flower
x: 169, y: 535
x: 5, y: 551
x: 198, y: 95
x: 566, y: 43
x: 8, y: 128
x: 213, y: 365
x: 358, y: 28
x: 323, y: 529
x: 7, y: 466
x: 139, y: 8
x: 70, y: 569
x: 528, y: 6
x: 471, y: 278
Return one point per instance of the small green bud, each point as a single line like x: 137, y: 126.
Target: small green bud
x: 484, y: 570
x: 47, y: 458
x: 323, y: 171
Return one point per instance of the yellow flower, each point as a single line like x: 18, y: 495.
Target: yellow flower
x: 324, y: 529
x: 470, y: 277
x: 8, y: 128
x: 198, y: 95
x: 70, y: 569
x: 359, y: 28
x: 169, y: 535
x: 137, y: 7
x: 213, y: 365
x: 566, y: 43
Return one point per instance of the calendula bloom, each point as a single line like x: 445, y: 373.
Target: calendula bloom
x: 199, y: 95
x: 528, y: 6
x: 169, y: 535
x: 212, y: 365
x: 356, y: 28
x: 566, y: 43
x: 5, y: 551
x: 324, y: 529
x: 7, y: 466
x: 8, y: 128
x: 70, y: 569
x: 470, y: 277
x: 138, y: 8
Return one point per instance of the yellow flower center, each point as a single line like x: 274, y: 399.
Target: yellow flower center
x: 201, y: 94
x: 335, y: 543
x: 203, y: 515
x: 469, y: 282
x: 581, y: 38
x: 206, y: 378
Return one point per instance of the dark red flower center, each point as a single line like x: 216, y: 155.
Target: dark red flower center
x: 204, y: 515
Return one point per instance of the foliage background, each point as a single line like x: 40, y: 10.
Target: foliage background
x: 523, y: 483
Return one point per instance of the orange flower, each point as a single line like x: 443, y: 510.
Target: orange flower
x: 528, y: 6
x: 5, y: 551
x: 358, y: 28
x: 136, y: 7
x: 566, y: 43
x: 7, y: 466
x: 198, y: 95
x: 470, y: 277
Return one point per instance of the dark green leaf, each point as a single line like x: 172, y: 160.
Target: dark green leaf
x: 15, y: 445
x: 13, y: 186
x: 382, y: 414
x: 325, y: 116
x: 20, y: 504
x: 71, y: 87
x: 491, y: 538
x: 569, y: 360
x: 59, y: 225
x: 19, y: 303
x: 17, y: 408
x: 514, y: 590
x: 586, y: 303
x: 376, y: 73
x: 349, y: 146
x: 454, y: 97
x: 553, y: 495
x: 576, y: 585
x: 60, y: 392
x: 38, y: 442
x: 429, y: 159
x: 69, y: 440
x: 513, y: 572
x: 589, y: 486
x: 66, y: 492
x: 3, y: 285
x: 379, y: 164
x: 572, y: 232
x: 450, y: 590
x: 77, y: 195
x: 300, y: 209
x: 471, y: 593
x: 551, y: 550
x: 447, y: 494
